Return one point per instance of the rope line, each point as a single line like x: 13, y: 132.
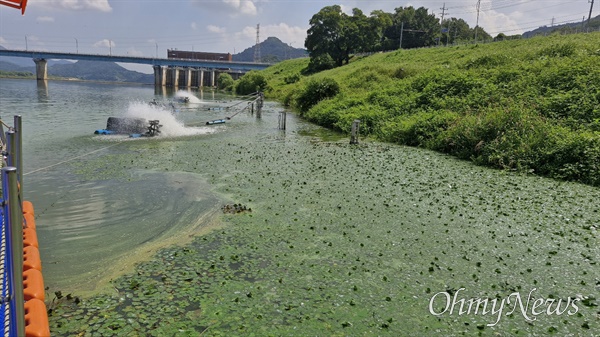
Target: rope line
x: 8, y: 126
x: 71, y: 159
x: 107, y: 147
x: 242, y: 101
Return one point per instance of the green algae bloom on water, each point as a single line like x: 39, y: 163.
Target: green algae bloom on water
x: 350, y: 240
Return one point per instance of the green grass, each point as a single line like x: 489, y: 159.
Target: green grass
x: 530, y: 105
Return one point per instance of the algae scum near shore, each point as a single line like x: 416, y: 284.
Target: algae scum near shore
x: 349, y: 240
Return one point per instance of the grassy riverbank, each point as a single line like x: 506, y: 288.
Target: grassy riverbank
x: 531, y: 105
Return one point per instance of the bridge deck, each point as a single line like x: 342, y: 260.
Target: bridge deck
x: 209, y: 64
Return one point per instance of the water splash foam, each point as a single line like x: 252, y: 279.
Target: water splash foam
x: 190, y: 97
x: 171, y: 126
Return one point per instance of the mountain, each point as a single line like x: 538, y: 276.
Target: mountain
x: 271, y: 50
x: 99, y: 71
x: 564, y: 28
x: 84, y: 70
x: 24, y: 62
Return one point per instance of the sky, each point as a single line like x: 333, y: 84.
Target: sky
x: 150, y: 27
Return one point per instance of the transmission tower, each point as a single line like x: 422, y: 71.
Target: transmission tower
x: 257, y: 45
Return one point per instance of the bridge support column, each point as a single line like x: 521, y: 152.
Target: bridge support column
x: 201, y: 80
x: 41, y: 69
x: 212, y: 78
x: 160, y: 76
x: 197, y: 78
x: 174, y: 77
x: 188, y: 77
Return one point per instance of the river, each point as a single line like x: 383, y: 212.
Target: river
x: 90, y: 228
x: 369, y: 239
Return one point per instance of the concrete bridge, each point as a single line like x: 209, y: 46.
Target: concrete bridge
x: 167, y: 71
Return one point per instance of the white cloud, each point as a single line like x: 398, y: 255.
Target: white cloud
x: 496, y: 23
x: 215, y: 29
x: 101, y: 5
x: 2, y: 40
x: 247, y: 33
x: 97, y: 5
x: 104, y: 44
x: 44, y: 19
x: 233, y: 7
x: 194, y: 26
x: 293, y: 35
x: 131, y: 51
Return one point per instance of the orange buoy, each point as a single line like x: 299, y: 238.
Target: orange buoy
x: 31, y: 258
x: 28, y: 220
x: 28, y: 207
x: 30, y: 237
x: 33, y: 284
x: 36, y: 319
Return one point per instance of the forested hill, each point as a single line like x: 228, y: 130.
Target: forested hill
x: 272, y: 50
x: 565, y: 28
x: 531, y: 105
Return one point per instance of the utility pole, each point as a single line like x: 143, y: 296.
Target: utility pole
x: 401, y: 33
x: 552, y: 24
x: 442, y: 24
x: 257, y: 45
x: 477, y: 24
x: 443, y: 12
x: 590, y: 16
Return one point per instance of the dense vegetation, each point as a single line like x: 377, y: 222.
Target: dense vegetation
x: 16, y: 74
x: 531, y: 105
x: 334, y: 35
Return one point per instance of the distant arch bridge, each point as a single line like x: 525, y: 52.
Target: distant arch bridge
x: 167, y: 71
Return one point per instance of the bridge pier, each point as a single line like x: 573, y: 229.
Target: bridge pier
x: 169, y: 76
x: 160, y: 76
x: 188, y: 77
x: 173, y: 77
x: 41, y: 69
x: 212, y: 77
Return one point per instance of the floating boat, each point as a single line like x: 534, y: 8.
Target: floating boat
x: 135, y: 127
x: 216, y: 121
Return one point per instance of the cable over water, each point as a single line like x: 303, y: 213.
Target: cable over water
x: 71, y: 159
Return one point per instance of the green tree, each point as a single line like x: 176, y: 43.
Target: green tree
x: 416, y: 27
x: 225, y: 82
x: 252, y: 81
x: 420, y: 28
x: 323, y: 36
x: 316, y: 91
x: 379, y: 23
x: 457, y: 30
x: 337, y: 35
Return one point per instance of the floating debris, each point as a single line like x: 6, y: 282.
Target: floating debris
x: 235, y: 208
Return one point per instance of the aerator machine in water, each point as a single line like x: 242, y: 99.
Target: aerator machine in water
x: 135, y: 127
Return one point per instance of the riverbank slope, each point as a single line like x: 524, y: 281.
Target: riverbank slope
x: 530, y: 105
